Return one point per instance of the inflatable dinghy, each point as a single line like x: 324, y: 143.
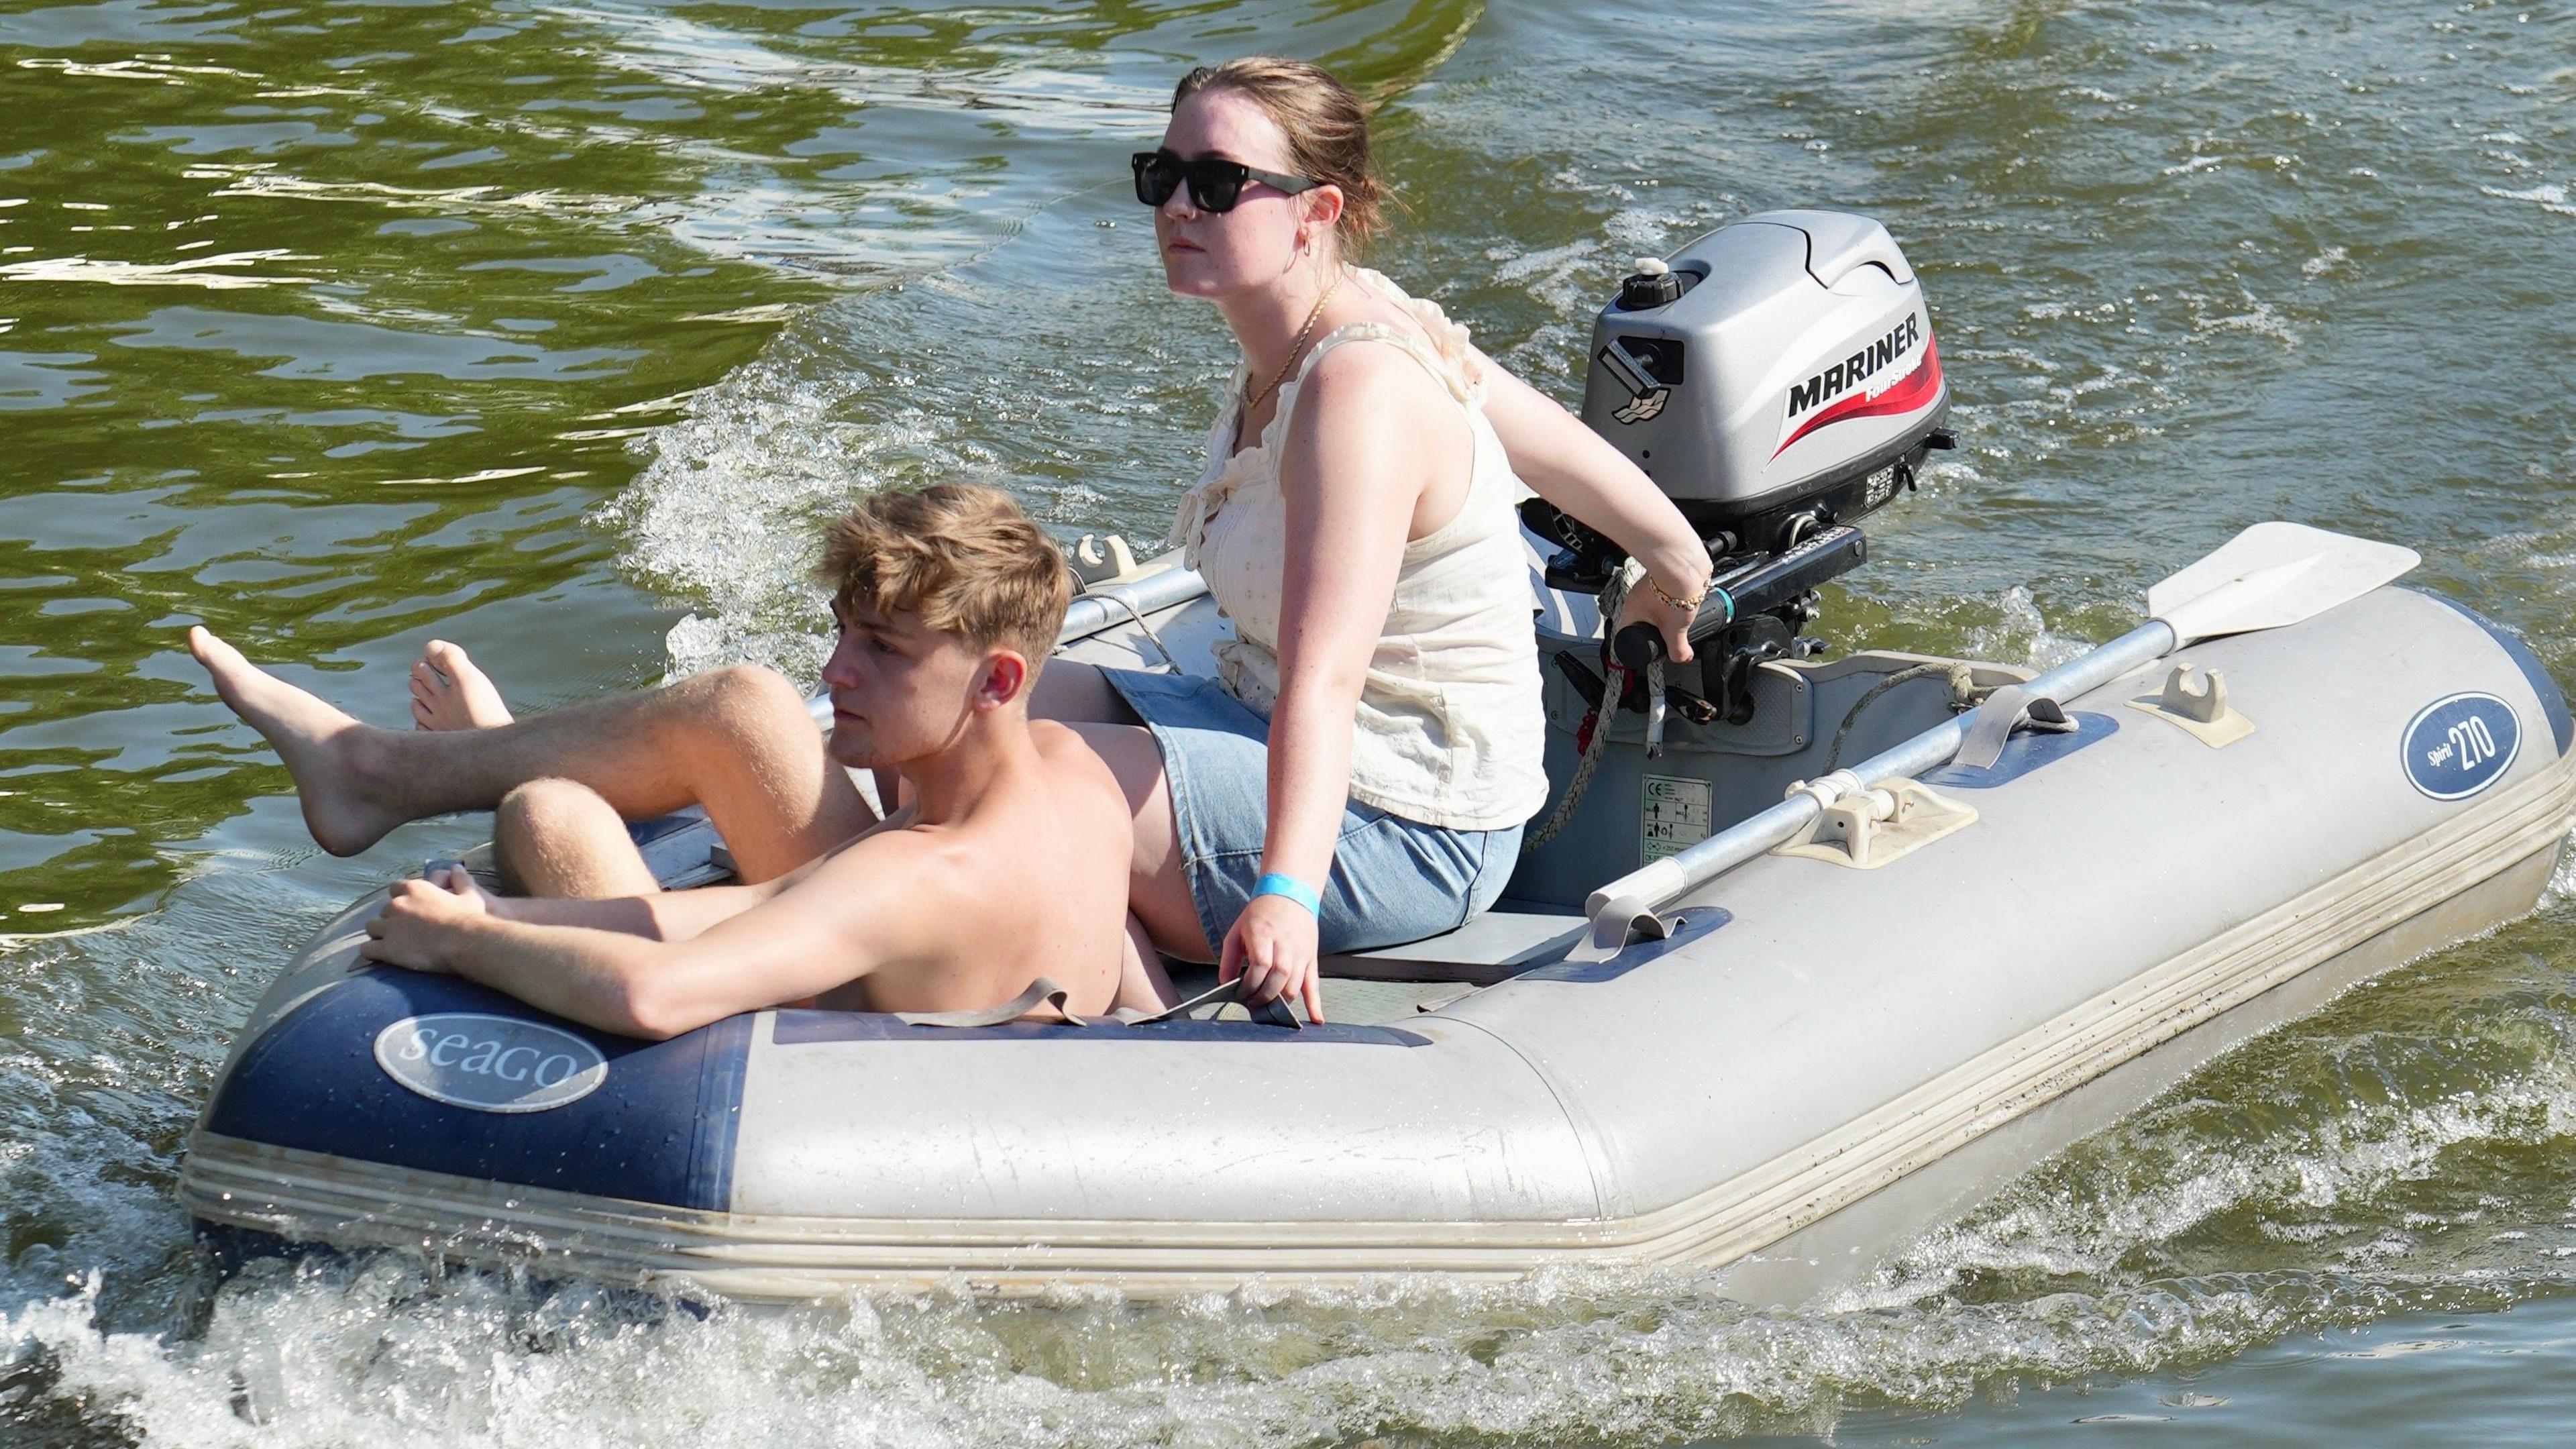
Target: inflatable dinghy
x: 1815, y: 953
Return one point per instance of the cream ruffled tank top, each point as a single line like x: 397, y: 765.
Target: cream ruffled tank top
x: 1450, y: 730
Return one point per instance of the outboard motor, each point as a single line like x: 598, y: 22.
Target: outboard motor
x: 1777, y: 378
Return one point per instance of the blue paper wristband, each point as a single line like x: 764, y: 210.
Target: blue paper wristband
x: 1275, y: 884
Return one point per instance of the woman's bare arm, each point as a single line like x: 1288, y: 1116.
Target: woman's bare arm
x: 1354, y: 466
x: 1576, y: 469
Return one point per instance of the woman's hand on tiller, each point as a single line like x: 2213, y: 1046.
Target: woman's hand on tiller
x: 1644, y: 606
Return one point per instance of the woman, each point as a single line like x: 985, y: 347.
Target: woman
x: 1359, y: 774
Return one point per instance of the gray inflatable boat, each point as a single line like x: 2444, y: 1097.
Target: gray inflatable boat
x: 1816, y: 953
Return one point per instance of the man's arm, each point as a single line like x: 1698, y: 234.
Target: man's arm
x: 587, y: 974
x: 855, y: 912
x: 662, y: 916
x: 665, y: 916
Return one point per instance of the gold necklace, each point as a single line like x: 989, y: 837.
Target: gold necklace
x: 1298, y: 347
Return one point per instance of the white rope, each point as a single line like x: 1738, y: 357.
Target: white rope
x: 1614, y: 684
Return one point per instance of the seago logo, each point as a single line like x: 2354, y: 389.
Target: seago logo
x: 2459, y: 745
x: 490, y: 1063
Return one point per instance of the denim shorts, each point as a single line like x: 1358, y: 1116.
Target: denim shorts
x: 1394, y: 880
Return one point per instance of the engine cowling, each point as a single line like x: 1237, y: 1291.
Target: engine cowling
x: 1776, y: 375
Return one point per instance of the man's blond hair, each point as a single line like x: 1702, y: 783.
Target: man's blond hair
x: 962, y: 558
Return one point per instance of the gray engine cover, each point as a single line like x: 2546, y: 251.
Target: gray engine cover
x: 1802, y: 356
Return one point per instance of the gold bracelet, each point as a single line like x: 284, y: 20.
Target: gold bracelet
x: 1692, y: 605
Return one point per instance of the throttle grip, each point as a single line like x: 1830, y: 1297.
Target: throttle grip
x: 1638, y: 647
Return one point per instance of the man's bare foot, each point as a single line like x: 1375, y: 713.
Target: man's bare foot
x: 344, y: 808
x: 449, y: 693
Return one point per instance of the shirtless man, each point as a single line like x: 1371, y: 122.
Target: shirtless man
x: 1010, y: 862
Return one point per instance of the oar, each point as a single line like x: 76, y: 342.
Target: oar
x: 2269, y: 576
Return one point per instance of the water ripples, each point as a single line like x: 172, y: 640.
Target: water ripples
x: 553, y: 328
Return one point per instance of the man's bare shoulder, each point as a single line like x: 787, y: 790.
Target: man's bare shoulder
x: 893, y: 843
x: 901, y: 847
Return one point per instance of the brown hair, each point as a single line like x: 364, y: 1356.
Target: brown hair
x: 1326, y: 124
x: 963, y: 558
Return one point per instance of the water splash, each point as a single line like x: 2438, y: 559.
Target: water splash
x: 1092, y: 425
x: 2562, y: 882
x: 726, y: 511
x: 382, y: 1350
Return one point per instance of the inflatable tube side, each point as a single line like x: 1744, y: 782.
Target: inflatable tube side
x: 1150, y: 1132
x: 660, y: 1126
x: 2108, y: 897
x: 2553, y: 701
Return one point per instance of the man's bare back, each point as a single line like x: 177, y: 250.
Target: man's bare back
x: 1024, y: 877
x: 984, y: 929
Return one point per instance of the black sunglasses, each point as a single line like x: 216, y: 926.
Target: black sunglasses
x: 1216, y: 184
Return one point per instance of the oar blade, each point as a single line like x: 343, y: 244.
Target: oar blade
x: 2273, y: 575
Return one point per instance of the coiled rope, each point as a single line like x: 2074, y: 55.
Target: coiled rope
x: 1614, y: 686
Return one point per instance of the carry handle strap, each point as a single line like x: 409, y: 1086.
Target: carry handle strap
x: 2010, y: 708
x: 1042, y: 990
x: 1268, y: 1013
x: 1045, y: 990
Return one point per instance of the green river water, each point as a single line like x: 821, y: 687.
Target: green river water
x: 550, y: 327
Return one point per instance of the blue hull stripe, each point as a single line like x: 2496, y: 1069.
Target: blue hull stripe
x: 815, y: 1028
x: 2553, y: 703
x: 660, y: 1129
x: 2024, y: 753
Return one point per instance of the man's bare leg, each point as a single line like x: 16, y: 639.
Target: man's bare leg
x: 1072, y: 693
x: 737, y: 741
x: 449, y: 693
x: 560, y: 839
x: 1158, y: 887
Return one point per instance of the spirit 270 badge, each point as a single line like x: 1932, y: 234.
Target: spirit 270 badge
x: 2460, y: 744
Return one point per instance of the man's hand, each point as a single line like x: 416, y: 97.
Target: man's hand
x: 418, y: 927
x: 1270, y: 954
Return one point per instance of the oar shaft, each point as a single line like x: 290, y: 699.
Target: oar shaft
x: 1652, y: 885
